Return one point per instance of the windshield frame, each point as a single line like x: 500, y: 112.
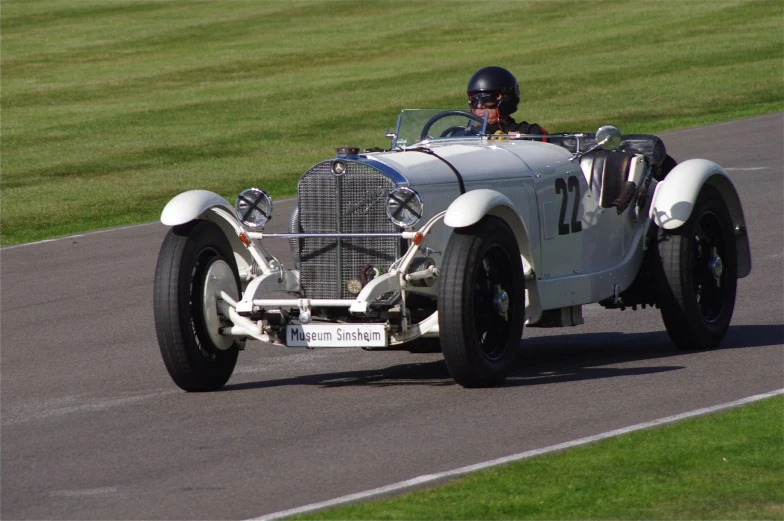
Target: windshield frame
x: 408, y: 120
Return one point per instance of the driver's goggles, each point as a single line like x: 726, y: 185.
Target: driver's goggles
x: 488, y: 100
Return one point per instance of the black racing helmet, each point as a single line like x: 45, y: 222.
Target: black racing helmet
x: 500, y: 80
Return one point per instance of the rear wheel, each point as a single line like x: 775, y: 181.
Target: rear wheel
x: 195, y: 264
x: 697, y: 275
x: 481, y: 303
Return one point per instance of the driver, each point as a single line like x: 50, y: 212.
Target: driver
x: 494, y: 91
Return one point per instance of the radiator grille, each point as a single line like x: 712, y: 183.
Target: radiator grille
x: 351, y: 203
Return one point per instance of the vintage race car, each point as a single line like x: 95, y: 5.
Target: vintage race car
x: 457, y: 236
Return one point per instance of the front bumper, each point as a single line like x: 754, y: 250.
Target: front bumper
x: 257, y: 316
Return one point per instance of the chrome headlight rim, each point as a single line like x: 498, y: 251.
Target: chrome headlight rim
x: 253, y: 208
x: 404, y: 206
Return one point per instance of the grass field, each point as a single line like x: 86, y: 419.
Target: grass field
x: 728, y: 465
x: 111, y: 107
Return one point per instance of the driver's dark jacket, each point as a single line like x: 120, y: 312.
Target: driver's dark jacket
x: 508, y: 124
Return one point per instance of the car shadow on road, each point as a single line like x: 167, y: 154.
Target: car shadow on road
x: 544, y: 360
x: 565, y: 358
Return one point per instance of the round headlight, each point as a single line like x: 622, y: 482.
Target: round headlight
x: 404, y: 206
x: 253, y: 208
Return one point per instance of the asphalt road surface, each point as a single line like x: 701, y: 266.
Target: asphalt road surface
x: 93, y: 428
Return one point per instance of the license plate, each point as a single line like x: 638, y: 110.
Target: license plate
x: 336, y: 335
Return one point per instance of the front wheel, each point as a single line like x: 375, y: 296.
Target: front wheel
x: 481, y: 303
x: 697, y: 273
x: 195, y: 264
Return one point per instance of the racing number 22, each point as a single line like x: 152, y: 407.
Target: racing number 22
x: 561, y: 187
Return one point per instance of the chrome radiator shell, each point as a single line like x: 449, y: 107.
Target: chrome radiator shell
x: 349, y: 203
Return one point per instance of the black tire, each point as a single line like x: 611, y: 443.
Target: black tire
x: 697, y: 298
x: 481, y: 263
x: 193, y: 359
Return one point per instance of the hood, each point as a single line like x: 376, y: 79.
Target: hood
x: 475, y: 162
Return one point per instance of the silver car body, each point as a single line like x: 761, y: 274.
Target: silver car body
x: 575, y: 248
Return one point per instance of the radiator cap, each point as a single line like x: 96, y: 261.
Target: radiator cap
x: 347, y: 151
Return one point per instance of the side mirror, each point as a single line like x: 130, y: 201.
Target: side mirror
x: 608, y: 137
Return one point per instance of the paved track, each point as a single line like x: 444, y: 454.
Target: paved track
x: 92, y: 427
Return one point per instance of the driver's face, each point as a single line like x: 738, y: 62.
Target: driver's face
x: 492, y: 114
x: 485, y: 103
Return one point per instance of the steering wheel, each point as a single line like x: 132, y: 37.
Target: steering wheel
x: 460, y: 131
x: 450, y: 130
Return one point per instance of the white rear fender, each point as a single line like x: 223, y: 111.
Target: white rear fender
x: 675, y: 197
x: 472, y: 207
x: 203, y: 204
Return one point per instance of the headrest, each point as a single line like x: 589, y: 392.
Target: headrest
x: 650, y: 146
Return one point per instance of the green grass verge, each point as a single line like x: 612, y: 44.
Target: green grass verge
x: 110, y: 108
x: 728, y: 465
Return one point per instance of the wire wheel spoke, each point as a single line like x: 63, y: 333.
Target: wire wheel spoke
x: 707, y: 270
x: 491, y: 318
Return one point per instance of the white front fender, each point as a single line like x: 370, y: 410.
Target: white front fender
x: 190, y: 205
x: 471, y: 207
x: 675, y: 197
x: 197, y: 204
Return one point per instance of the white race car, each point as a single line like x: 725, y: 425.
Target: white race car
x: 454, y: 235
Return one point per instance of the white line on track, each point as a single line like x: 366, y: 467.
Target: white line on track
x: 401, y: 485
